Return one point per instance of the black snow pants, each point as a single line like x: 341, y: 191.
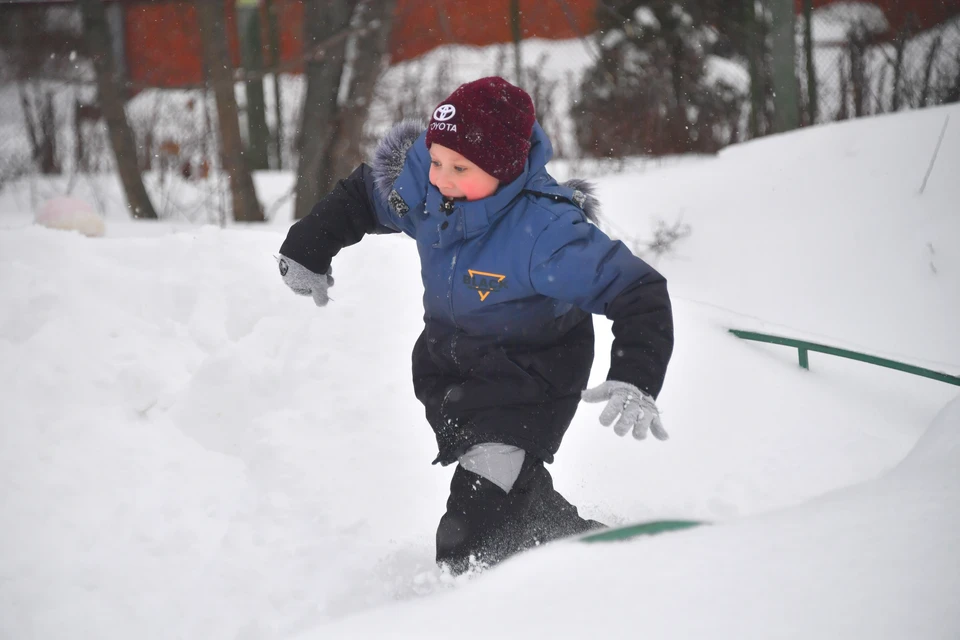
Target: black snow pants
x: 487, y: 524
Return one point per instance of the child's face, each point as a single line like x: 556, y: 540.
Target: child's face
x: 457, y: 177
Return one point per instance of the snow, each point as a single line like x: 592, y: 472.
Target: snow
x: 189, y: 450
x: 833, y: 23
x: 862, y: 562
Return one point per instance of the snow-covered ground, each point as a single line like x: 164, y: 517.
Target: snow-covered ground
x: 189, y: 450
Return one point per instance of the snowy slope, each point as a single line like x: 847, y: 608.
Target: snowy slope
x: 878, y: 560
x: 188, y: 450
x: 824, y: 230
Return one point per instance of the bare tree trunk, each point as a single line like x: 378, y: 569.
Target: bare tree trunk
x: 786, y: 113
x: 251, y: 48
x: 35, y: 104
x: 755, y: 50
x: 813, y: 106
x: 843, y: 112
x: 516, y: 32
x: 318, y: 128
x: 219, y: 68
x: 900, y: 45
x: 111, y: 98
x: 679, y: 126
x: 274, y: 31
x: 40, y: 122
x: 368, y: 63
x: 928, y: 69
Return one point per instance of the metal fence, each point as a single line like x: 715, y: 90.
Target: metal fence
x: 854, y: 62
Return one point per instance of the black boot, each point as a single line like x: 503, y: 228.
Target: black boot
x: 480, y: 523
x: 487, y: 524
x: 551, y: 517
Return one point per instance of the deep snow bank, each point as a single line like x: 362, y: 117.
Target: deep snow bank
x: 877, y: 560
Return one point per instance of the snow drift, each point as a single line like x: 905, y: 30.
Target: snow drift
x: 189, y: 450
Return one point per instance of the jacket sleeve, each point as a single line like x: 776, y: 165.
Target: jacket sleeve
x: 576, y: 262
x: 339, y: 220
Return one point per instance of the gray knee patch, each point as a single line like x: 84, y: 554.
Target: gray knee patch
x: 498, y: 463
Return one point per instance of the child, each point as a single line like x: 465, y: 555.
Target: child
x: 512, y: 270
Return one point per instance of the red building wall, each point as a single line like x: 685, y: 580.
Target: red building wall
x: 419, y: 25
x: 163, y: 44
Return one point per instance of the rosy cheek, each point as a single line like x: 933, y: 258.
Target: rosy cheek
x: 474, y: 189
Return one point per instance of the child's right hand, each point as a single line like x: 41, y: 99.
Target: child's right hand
x: 638, y: 412
x: 305, y: 282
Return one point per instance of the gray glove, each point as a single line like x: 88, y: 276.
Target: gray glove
x: 305, y: 282
x: 636, y: 409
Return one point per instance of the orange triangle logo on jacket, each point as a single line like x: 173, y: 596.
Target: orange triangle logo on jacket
x: 484, y: 282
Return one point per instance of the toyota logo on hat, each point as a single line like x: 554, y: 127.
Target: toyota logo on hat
x: 444, y: 112
x: 489, y: 122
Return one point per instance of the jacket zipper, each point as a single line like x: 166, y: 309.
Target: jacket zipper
x: 448, y: 208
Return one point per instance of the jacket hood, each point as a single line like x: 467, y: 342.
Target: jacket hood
x: 391, y: 155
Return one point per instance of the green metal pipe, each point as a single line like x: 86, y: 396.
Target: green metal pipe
x: 642, y: 529
x: 803, y: 347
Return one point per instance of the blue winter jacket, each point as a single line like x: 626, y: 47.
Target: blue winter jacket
x: 510, y: 283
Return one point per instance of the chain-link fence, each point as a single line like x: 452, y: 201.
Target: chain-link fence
x: 854, y: 59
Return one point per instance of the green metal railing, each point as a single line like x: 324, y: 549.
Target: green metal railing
x: 642, y: 529
x: 804, y: 347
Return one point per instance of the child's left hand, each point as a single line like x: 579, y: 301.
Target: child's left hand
x: 637, y: 410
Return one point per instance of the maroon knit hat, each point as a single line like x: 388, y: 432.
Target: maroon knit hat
x: 489, y: 122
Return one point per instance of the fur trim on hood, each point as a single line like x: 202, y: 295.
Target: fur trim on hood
x: 391, y: 153
x: 590, y: 204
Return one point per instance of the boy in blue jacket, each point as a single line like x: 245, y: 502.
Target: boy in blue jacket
x: 512, y: 272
